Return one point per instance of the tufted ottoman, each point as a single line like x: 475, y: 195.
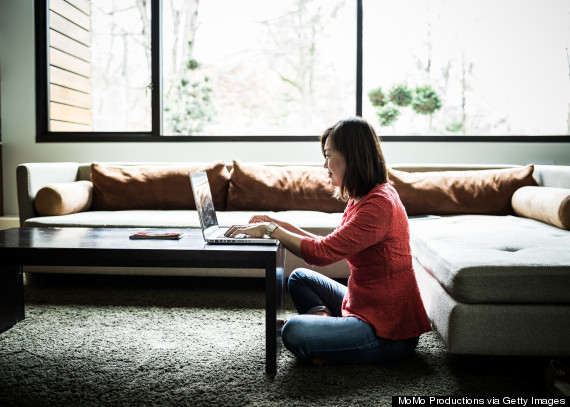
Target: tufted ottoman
x: 495, y: 285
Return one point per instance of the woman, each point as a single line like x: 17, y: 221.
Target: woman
x: 380, y: 315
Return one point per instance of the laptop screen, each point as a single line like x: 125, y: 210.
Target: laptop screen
x: 203, y: 199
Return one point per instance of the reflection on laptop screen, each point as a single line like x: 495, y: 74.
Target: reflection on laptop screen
x: 204, y: 202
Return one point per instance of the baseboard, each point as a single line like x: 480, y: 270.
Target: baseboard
x: 7, y: 222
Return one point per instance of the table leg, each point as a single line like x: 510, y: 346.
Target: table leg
x: 274, y: 310
x: 11, y: 296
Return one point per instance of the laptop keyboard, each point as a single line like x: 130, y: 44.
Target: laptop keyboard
x: 221, y: 232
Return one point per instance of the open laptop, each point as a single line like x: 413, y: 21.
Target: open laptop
x: 207, y: 214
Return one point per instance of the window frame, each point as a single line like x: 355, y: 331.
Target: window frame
x: 43, y: 134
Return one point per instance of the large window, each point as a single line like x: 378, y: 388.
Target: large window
x: 485, y: 67
x: 169, y: 70
x: 257, y: 67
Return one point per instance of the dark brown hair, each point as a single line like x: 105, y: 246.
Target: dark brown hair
x: 357, y: 142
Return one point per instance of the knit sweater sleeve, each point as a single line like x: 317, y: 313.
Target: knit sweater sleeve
x: 367, y: 224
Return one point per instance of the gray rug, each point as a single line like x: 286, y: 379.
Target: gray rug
x: 158, y: 341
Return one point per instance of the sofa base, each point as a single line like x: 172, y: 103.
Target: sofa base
x: 495, y: 329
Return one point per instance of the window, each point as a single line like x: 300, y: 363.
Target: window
x: 99, y: 66
x: 257, y: 67
x: 486, y: 67
x: 171, y: 70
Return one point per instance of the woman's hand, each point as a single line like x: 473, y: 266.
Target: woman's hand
x: 251, y: 229
x: 258, y: 227
x: 261, y: 218
x: 282, y: 225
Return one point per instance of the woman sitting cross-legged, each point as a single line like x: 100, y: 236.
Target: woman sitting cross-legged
x: 379, y: 316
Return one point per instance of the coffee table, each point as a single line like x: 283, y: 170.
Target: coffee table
x: 101, y: 247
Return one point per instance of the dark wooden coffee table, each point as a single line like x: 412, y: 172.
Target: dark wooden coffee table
x: 112, y: 247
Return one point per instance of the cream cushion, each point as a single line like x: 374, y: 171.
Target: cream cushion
x: 64, y: 198
x: 546, y: 204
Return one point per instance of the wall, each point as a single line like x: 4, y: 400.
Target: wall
x: 18, y: 128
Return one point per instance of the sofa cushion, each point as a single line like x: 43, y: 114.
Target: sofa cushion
x: 495, y: 259
x: 460, y: 192
x: 63, y: 198
x: 269, y: 188
x: 167, y: 187
x: 319, y: 223
x: 549, y: 205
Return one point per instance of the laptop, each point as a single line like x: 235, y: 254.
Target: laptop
x: 208, y: 220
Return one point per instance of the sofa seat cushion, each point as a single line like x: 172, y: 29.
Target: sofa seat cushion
x: 495, y: 259
x: 316, y: 222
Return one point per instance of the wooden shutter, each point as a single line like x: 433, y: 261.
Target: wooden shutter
x: 70, y: 65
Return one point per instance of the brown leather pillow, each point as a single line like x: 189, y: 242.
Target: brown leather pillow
x: 64, y: 198
x: 267, y: 188
x: 154, y: 187
x: 460, y: 192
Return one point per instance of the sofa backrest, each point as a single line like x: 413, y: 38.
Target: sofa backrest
x: 555, y: 176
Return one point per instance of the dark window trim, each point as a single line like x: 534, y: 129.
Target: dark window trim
x: 43, y: 135
x: 42, y: 69
x: 156, y: 66
x: 69, y: 137
x: 359, y: 47
x: 480, y: 138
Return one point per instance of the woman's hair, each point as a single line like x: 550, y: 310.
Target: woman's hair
x: 357, y: 142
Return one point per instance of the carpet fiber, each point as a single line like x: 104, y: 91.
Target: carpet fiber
x: 137, y: 341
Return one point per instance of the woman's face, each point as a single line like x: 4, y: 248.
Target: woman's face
x: 334, y: 163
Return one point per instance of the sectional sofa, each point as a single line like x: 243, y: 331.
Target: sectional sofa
x: 491, y: 243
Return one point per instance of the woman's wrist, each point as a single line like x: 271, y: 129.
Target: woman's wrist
x: 270, y: 228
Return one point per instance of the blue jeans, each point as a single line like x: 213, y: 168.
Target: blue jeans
x: 335, y: 338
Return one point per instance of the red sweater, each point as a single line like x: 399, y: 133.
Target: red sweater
x: 374, y: 237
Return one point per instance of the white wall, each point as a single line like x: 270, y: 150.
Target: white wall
x: 19, y: 146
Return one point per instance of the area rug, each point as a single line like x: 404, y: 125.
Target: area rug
x: 164, y: 341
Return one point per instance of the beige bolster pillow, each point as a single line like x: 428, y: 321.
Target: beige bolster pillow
x: 546, y: 204
x: 64, y: 198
